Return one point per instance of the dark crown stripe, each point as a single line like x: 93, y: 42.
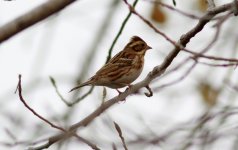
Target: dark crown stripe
x: 136, y: 38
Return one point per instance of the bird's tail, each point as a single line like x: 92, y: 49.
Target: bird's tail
x: 81, y: 85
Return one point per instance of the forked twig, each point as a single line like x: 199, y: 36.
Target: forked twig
x: 155, y: 73
x: 63, y: 99
x: 19, y: 89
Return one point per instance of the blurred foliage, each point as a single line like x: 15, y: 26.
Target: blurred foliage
x: 208, y: 93
x: 202, y: 5
x: 157, y: 14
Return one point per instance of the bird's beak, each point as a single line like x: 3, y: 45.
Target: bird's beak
x: 148, y: 47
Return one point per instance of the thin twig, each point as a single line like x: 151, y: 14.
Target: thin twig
x: 174, y: 2
x: 218, y: 65
x: 155, y: 73
x: 150, y: 91
x: 63, y: 99
x: 11, y: 135
x: 19, y: 89
x: 211, y: 57
x: 192, y: 127
x: 82, y: 97
x: 188, y: 71
x: 196, y: 55
x: 192, y: 16
x: 131, y: 8
x: 120, y: 135
x: 52, y: 80
x: 119, y: 32
x: 91, y: 51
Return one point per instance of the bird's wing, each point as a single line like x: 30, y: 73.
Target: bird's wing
x: 117, y: 66
x: 122, y: 58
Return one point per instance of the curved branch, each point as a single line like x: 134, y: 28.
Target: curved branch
x: 32, y: 17
x: 19, y: 89
x: 155, y: 73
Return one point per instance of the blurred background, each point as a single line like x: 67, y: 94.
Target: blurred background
x: 198, y: 110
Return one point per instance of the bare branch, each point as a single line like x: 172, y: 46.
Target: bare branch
x: 211, y: 57
x: 188, y: 71
x: 131, y: 8
x: 192, y: 16
x: 32, y: 17
x: 120, y: 135
x: 218, y: 65
x: 63, y: 99
x: 52, y: 80
x: 155, y: 73
x: 10, y: 134
x: 19, y: 88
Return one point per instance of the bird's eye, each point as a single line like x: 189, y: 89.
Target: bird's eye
x: 143, y: 45
x: 139, y: 47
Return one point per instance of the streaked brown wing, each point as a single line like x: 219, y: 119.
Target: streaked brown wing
x: 119, y: 65
x: 122, y: 56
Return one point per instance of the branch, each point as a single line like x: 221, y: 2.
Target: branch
x: 52, y: 80
x: 235, y: 7
x: 120, y: 135
x: 188, y: 71
x: 63, y: 99
x: 19, y: 89
x: 131, y: 8
x: 190, y: 127
x: 219, y: 65
x: 155, y: 73
x: 32, y: 17
x: 211, y: 57
x: 196, y: 55
x: 192, y: 16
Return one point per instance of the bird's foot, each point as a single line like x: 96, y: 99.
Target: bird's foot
x: 129, y: 86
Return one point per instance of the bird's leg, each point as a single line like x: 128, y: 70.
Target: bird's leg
x: 119, y: 94
x: 129, y: 86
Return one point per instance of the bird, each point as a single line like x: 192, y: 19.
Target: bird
x: 121, y: 70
